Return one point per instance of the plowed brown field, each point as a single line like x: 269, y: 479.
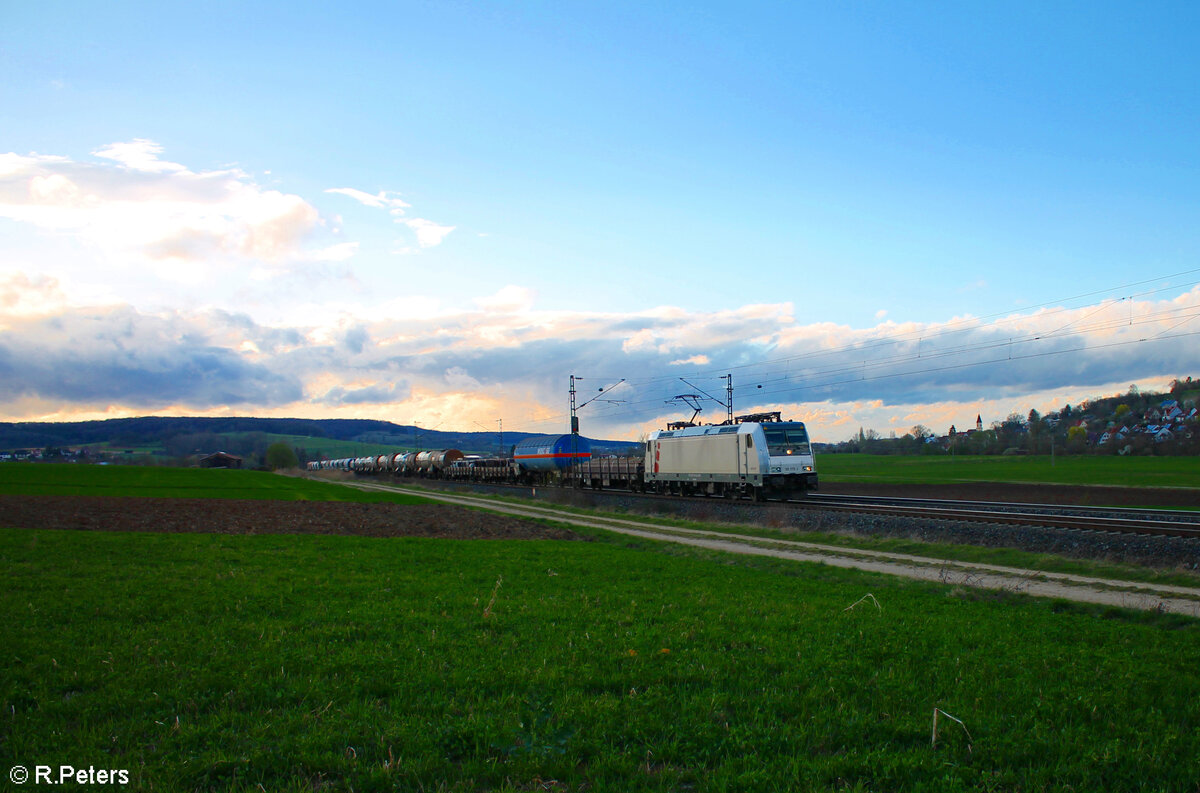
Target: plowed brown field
x: 229, y: 516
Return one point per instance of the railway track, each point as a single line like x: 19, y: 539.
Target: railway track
x: 1169, y: 523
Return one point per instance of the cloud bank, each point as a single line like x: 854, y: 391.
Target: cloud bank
x: 506, y: 359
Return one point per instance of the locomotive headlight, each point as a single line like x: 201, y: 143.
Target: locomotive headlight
x: 808, y: 468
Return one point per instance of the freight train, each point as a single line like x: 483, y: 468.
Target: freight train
x: 755, y: 456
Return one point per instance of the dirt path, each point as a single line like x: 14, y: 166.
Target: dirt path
x: 1085, y: 589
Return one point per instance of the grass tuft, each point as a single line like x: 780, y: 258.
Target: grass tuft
x: 487, y: 612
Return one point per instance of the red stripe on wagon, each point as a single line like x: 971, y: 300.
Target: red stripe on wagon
x: 544, y: 456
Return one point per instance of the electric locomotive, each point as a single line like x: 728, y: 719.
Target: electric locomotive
x: 758, y: 456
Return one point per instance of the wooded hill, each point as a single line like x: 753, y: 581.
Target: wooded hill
x: 177, y: 436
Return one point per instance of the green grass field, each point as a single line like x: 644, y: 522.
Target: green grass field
x: 212, y: 662
x: 1066, y: 470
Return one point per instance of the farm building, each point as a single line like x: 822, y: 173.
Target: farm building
x: 220, y: 460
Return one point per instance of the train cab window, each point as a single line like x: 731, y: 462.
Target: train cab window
x: 749, y: 441
x: 784, y: 440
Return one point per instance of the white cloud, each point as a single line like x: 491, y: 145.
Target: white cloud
x: 54, y: 189
x: 641, y: 341
x: 381, y: 200
x: 509, y: 300
x: 140, y: 154
x: 457, y: 379
x: 429, y: 234
x: 673, y: 330
x: 145, y: 211
x: 24, y: 296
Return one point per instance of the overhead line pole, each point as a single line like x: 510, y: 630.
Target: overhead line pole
x: 574, y: 417
x: 729, y: 398
x: 574, y: 424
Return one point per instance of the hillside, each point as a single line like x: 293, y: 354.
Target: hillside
x: 177, y: 437
x: 1136, y: 422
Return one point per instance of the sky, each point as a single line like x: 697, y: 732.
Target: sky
x: 868, y: 215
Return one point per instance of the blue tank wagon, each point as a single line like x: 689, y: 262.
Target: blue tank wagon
x: 551, y: 453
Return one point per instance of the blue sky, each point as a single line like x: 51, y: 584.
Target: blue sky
x: 437, y: 212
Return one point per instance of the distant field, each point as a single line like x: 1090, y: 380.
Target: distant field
x: 164, y: 482
x: 1074, y: 470
x: 117, y: 448
x: 334, y: 448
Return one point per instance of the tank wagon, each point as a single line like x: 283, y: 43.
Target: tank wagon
x: 429, y: 464
x: 554, y: 453
x: 432, y: 463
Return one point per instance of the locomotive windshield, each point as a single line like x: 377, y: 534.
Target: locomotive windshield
x: 785, y: 439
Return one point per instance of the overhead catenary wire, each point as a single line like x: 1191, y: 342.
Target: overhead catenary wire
x: 868, y: 365
x: 797, y: 388
x: 944, y: 329
x: 866, y: 371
